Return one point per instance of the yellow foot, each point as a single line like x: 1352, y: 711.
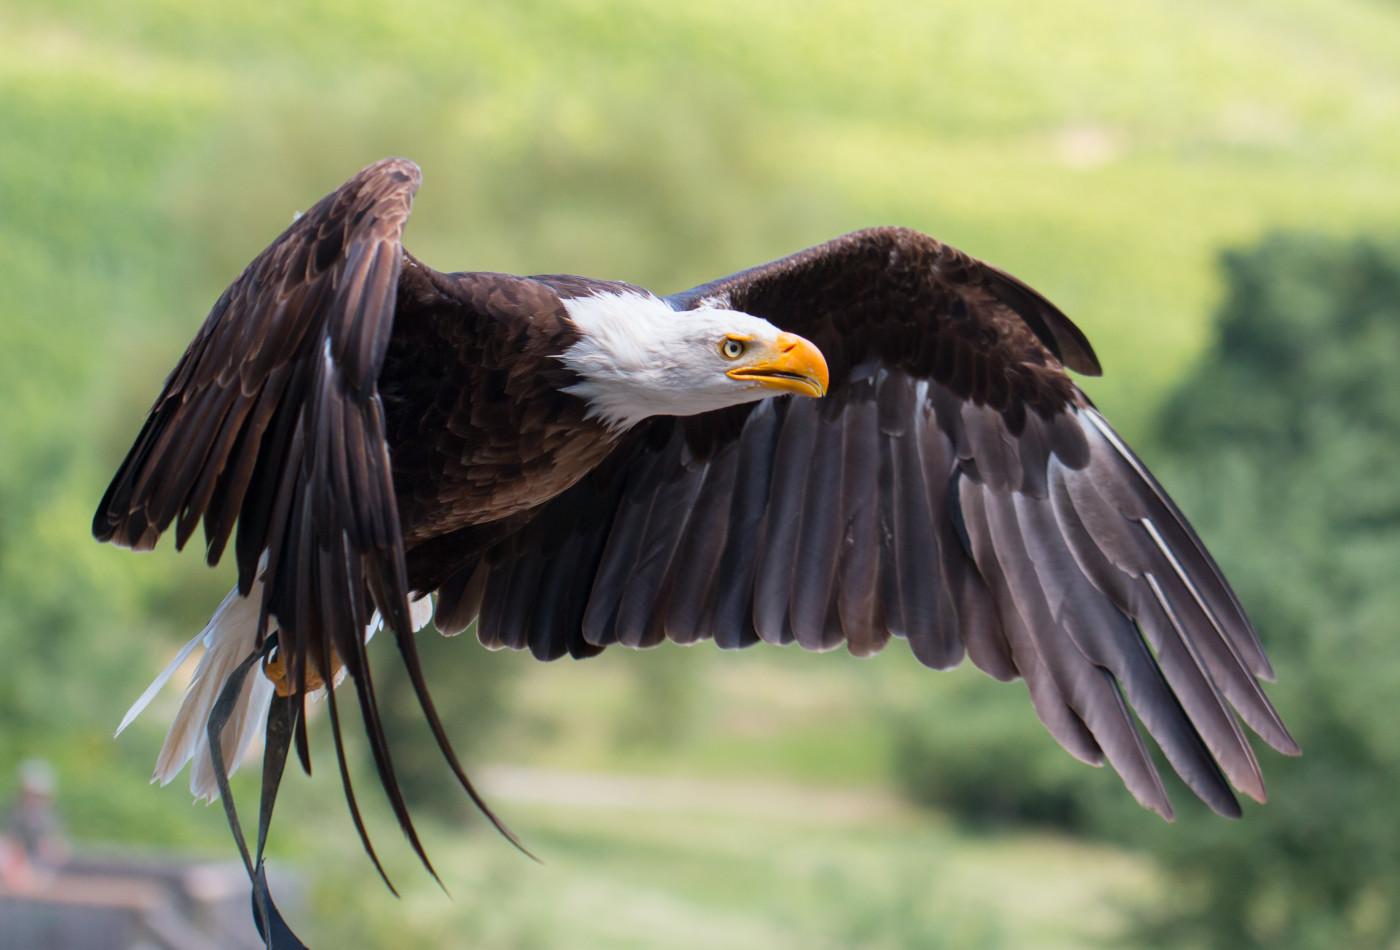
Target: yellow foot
x: 275, y: 669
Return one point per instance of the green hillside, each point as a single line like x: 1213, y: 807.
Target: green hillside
x: 1104, y: 152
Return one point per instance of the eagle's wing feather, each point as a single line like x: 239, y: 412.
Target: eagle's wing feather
x: 954, y: 489
x: 272, y: 419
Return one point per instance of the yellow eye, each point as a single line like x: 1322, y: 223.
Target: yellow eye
x: 731, y: 349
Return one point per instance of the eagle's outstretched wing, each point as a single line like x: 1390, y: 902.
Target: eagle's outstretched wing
x: 954, y: 489
x: 272, y: 419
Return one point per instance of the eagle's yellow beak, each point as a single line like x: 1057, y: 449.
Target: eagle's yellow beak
x: 792, y: 365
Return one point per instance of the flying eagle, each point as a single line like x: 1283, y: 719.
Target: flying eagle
x: 574, y: 463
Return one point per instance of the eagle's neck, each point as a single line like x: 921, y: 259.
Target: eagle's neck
x: 625, y: 357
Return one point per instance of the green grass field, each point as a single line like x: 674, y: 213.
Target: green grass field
x: 746, y: 865
x: 1104, y: 152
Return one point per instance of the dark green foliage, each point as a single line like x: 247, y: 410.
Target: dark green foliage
x: 1286, y: 442
x: 974, y: 748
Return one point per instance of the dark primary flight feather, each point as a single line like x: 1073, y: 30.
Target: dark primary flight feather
x: 376, y: 428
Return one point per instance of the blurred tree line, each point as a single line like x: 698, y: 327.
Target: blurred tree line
x: 1283, y: 445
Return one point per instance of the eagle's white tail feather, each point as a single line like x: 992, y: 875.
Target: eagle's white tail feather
x: 145, y: 698
x: 245, y: 723
x: 420, y: 612
x: 229, y: 637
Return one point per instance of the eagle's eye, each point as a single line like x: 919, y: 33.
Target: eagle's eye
x: 731, y: 348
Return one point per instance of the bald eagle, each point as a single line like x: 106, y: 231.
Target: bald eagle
x: 875, y: 437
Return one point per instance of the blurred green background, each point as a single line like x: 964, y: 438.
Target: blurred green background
x: 1108, y: 153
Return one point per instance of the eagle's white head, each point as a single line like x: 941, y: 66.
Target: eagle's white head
x: 636, y: 358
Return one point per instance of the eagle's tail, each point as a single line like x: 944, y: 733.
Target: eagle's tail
x: 228, y: 638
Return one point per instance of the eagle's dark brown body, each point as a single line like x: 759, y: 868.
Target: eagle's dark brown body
x: 479, y: 428
x: 376, y: 428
